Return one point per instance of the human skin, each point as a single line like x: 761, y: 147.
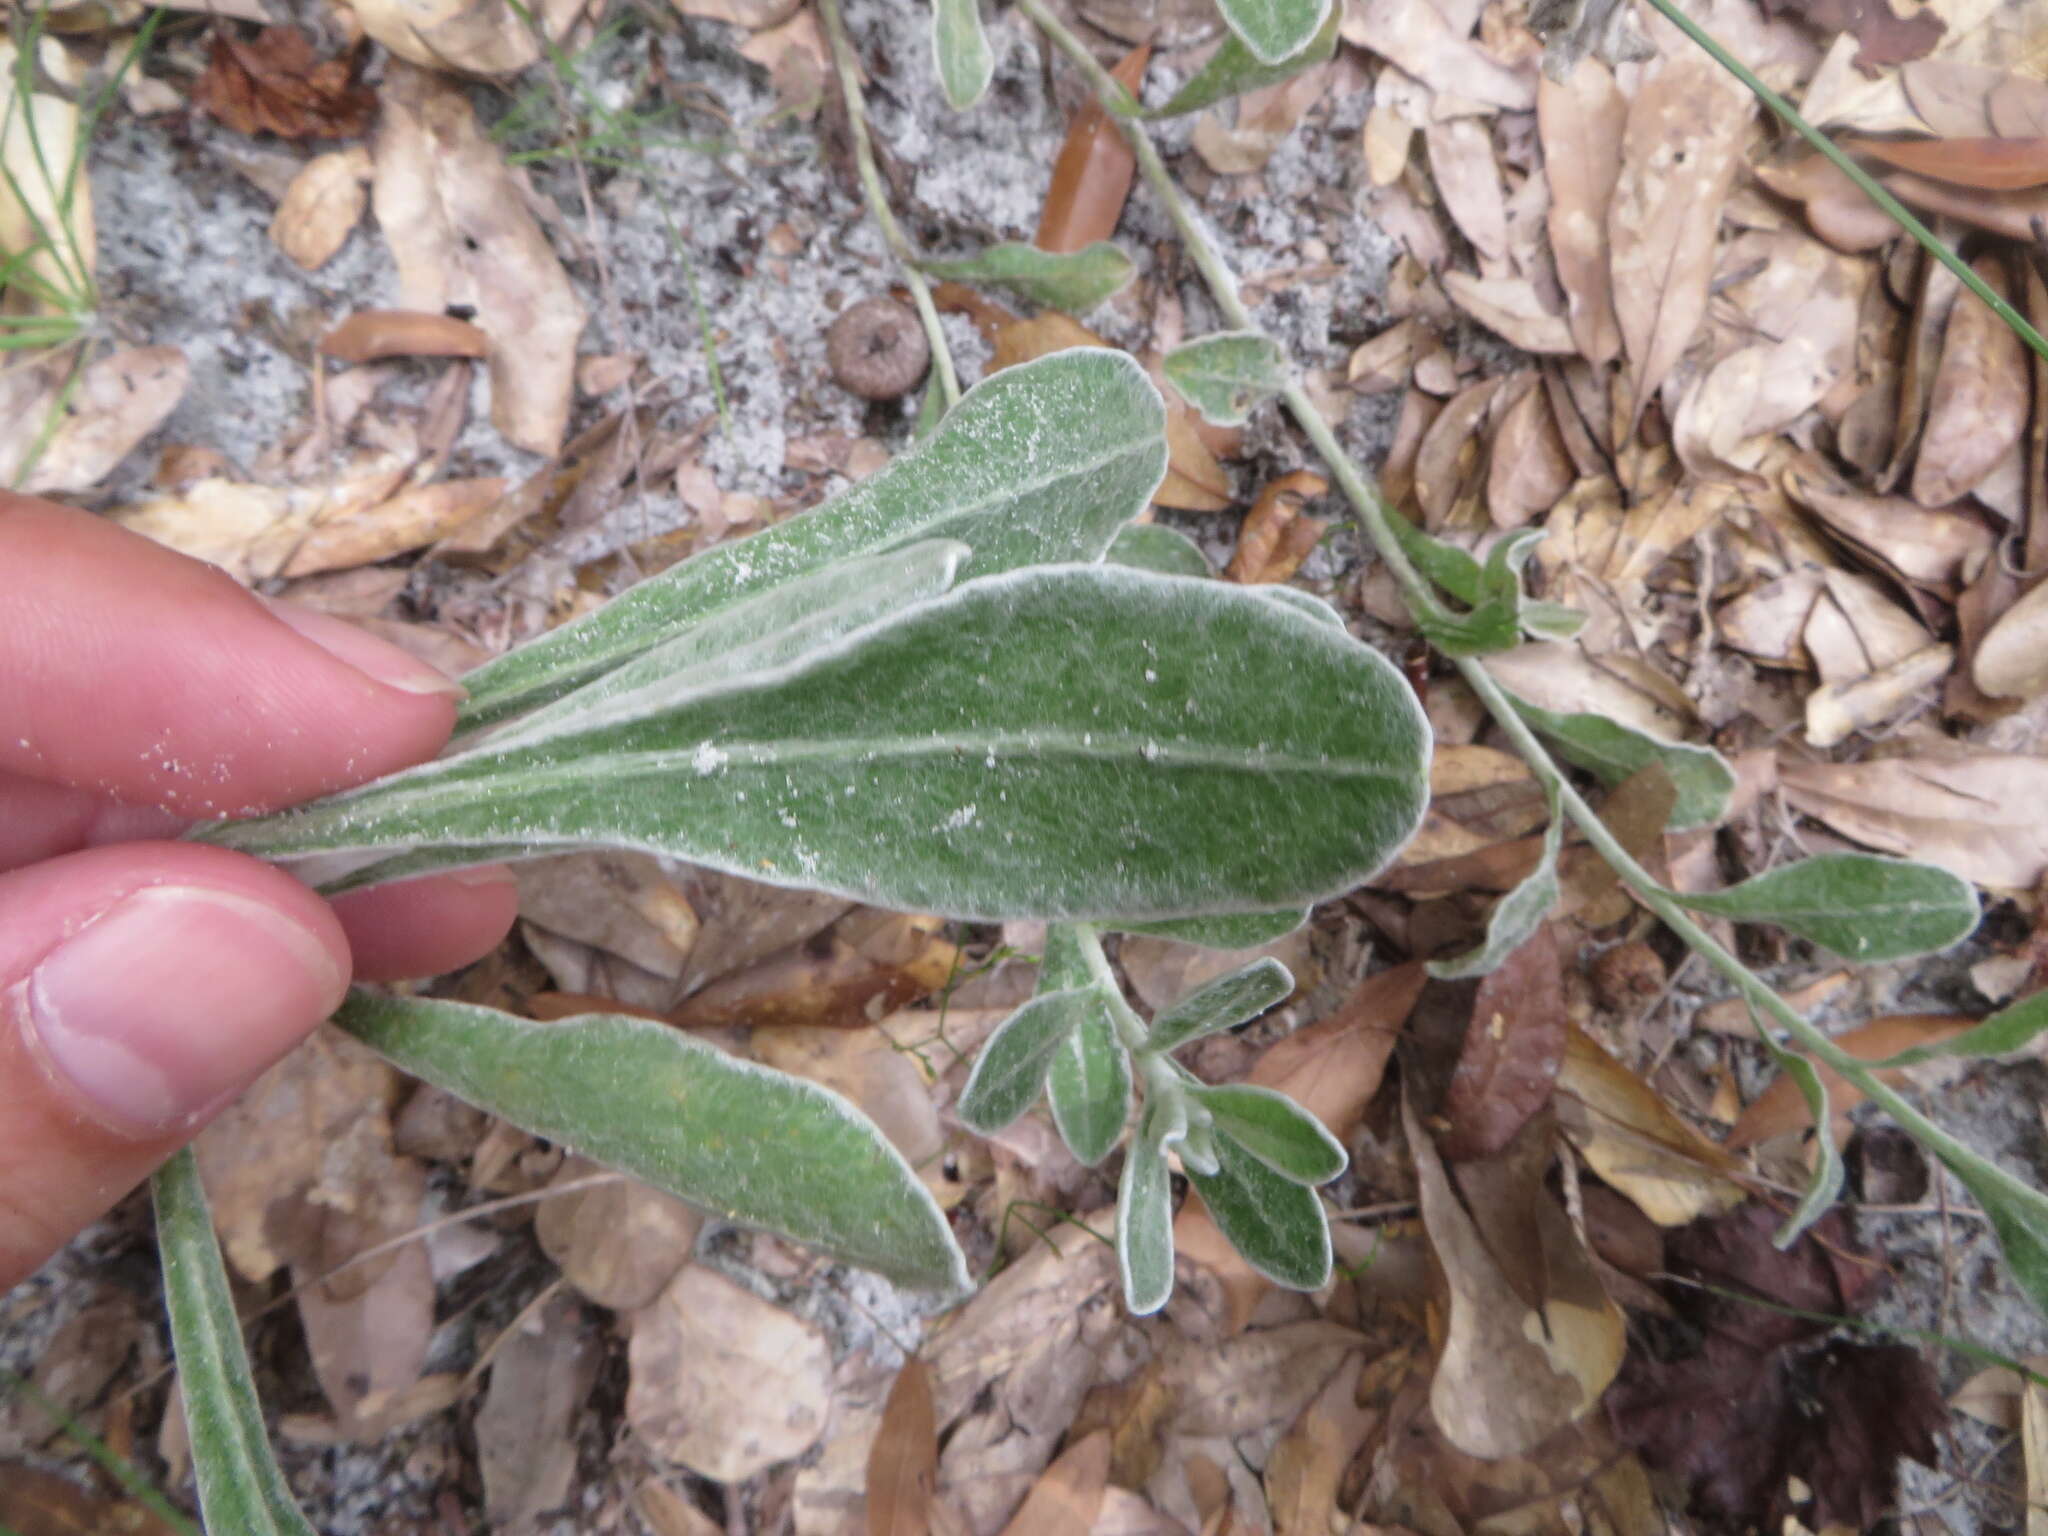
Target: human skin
x: 145, y: 982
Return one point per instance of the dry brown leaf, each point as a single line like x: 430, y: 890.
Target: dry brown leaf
x: 1421, y: 38
x: 668, y: 1513
x: 370, y: 335
x: 1581, y: 121
x: 1923, y: 547
x: 1332, y: 1068
x: 276, y: 83
x: 1068, y: 1498
x: 340, y: 535
x: 1989, y: 164
x: 724, y: 1383
x: 1562, y: 677
x: 1836, y: 711
x: 619, y: 1243
x: 461, y: 234
x: 1528, y: 469
x: 34, y: 1502
x: 2012, y: 658
x: 526, y: 1428
x: 903, y: 1463
x: 1092, y: 176
x: 1264, y: 119
x: 1450, y: 457
x: 45, y: 211
x: 1633, y: 1140
x: 1980, y: 401
x: 1781, y: 1107
x: 866, y: 1066
x: 482, y: 37
x: 115, y: 403
x: 1275, y: 538
x: 798, y: 61
x: 1467, y: 179
x: 1511, y: 308
x: 1835, y: 206
x: 623, y: 903
x: 322, y: 206
x: 1513, y: 1047
x: 1680, y: 148
x: 1307, y: 1467
x: 869, y: 965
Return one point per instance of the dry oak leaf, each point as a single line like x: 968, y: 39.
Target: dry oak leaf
x: 1425, y: 42
x: 482, y: 37
x: 322, y: 206
x: 1885, y: 36
x: 1781, y: 1107
x: 1511, y: 308
x: 1091, y: 179
x: 903, y: 1462
x: 2012, y: 659
x: 1980, y: 401
x: 1975, y: 816
x: 1991, y: 164
x: 459, y: 229
x: 1581, y: 121
x: 278, y: 84
x: 526, y: 1429
x: 1632, y: 1138
x: 113, y: 405
x: 371, y: 335
x: 621, y: 1242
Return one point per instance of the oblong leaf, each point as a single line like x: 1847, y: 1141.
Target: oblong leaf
x: 1067, y: 742
x: 1274, y: 1129
x: 1228, y: 1001
x: 1517, y: 915
x: 2018, y: 1212
x: 1273, y: 30
x: 1072, y: 282
x: 1090, y: 1086
x: 1278, y: 1226
x: 1225, y: 375
x: 1612, y: 752
x: 2006, y: 1031
x: 1144, y: 1219
x: 757, y: 1147
x: 1236, y: 930
x: 1824, y: 1183
x: 1151, y: 547
x: 1860, y: 905
x: 241, y: 1488
x: 1096, y: 427
x: 1231, y: 70
x: 1010, y: 1072
x: 960, y: 49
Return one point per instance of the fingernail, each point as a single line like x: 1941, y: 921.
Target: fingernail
x: 172, y: 1000
x: 377, y: 659
x: 484, y: 875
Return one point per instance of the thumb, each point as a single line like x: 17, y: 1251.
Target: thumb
x: 141, y: 987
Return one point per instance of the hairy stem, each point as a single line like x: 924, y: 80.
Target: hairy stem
x: 878, y: 198
x: 1130, y: 1029
x: 1373, y: 515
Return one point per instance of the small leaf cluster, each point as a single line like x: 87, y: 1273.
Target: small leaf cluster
x: 1253, y: 1155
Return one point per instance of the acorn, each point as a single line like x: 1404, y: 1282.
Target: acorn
x: 877, y: 349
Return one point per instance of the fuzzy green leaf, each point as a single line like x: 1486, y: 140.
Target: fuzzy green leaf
x: 1824, y: 1184
x: 1224, y: 1003
x: 1009, y: 1074
x: 2018, y: 1212
x: 757, y: 1147
x: 1090, y: 1086
x: 1144, y: 1213
x: 1231, y: 70
x: 1040, y: 463
x: 2009, y: 1030
x: 1151, y: 547
x: 1239, y: 930
x: 1226, y: 374
x: 1274, y: 1129
x: 1611, y: 751
x: 1517, y: 915
x: 1275, y: 30
x: 960, y: 48
x: 1278, y: 1225
x: 1067, y: 742
x: 1071, y: 281
x: 1859, y: 905
x: 241, y: 1488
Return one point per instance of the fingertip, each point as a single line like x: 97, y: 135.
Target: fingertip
x: 428, y: 926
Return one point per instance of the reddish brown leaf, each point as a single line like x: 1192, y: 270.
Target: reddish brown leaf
x: 903, y: 1463
x: 1513, y: 1049
x: 1276, y: 538
x: 1887, y: 37
x: 1092, y: 176
x: 371, y: 334
x: 1781, y: 1107
x: 1065, y: 1501
x: 278, y: 84
x: 35, y: 1503
x: 1993, y: 165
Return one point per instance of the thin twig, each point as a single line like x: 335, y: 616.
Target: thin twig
x: 878, y: 199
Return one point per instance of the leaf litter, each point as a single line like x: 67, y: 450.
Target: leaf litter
x: 1781, y: 467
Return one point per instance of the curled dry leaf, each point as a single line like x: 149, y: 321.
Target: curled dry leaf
x: 1989, y: 164
x: 1421, y: 38
x: 2012, y: 658
x: 1781, y: 1107
x: 1264, y: 119
x: 1581, y: 120
x: 276, y: 83
x: 114, y: 404
x: 1528, y: 468
x: 620, y: 1243
x: 1092, y: 177
x: 322, y: 206
x: 1680, y: 148
x: 1633, y: 1140
x: 869, y: 965
x: 724, y: 1383
x: 526, y: 1446
x: 1462, y: 165
x: 1511, y: 308
x: 1276, y: 538
x: 1513, y: 1048
x: 1975, y: 816
x: 1067, y: 1499
x: 1979, y: 406
x: 1921, y: 546
x: 903, y: 1462
x: 481, y: 37
x: 370, y: 335
x: 460, y: 231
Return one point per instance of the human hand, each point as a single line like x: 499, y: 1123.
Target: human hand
x: 145, y: 982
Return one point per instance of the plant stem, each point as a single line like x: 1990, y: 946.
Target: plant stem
x: 1865, y: 182
x: 1130, y: 1029
x: 878, y: 198
x: 1373, y: 515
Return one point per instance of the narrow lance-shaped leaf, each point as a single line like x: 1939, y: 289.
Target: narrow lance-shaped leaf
x: 1861, y: 906
x: 1274, y: 30
x: 757, y: 1147
x: 1224, y: 376
x: 2018, y: 1212
x: 1231, y: 70
x: 1239, y: 930
x: 1225, y: 1003
x: 1095, y: 430
x: 1278, y: 1225
x: 1824, y: 1184
x: 1144, y: 1212
x: 241, y: 1488
x: 960, y: 49
x: 1275, y: 1130
x: 1064, y: 742
x: 1090, y: 1083
x: 1612, y: 752
x: 1073, y: 282
x: 1151, y: 547
x: 1009, y: 1074
x: 2009, y: 1030
x: 1517, y: 915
